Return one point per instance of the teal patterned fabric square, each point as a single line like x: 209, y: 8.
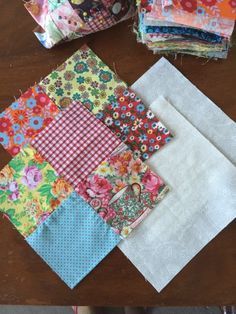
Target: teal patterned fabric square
x: 73, y: 240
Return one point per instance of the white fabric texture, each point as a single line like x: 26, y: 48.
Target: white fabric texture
x: 164, y: 79
x: 202, y: 201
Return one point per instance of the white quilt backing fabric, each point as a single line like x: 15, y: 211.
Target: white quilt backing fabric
x: 164, y: 79
x: 202, y: 200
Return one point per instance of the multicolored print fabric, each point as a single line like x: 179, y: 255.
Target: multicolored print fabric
x: 63, y: 20
x: 85, y: 78
x: 135, y: 125
x: 213, y: 8
x: 30, y: 190
x: 25, y: 118
x: 204, y: 14
x: 123, y: 190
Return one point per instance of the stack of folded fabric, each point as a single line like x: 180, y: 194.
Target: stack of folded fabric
x: 197, y: 27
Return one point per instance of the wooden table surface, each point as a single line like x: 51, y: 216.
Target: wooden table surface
x: 24, y: 278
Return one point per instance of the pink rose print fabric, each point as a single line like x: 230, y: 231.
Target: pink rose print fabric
x: 75, y: 143
x: 135, y: 125
x: 25, y: 118
x: 122, y: 190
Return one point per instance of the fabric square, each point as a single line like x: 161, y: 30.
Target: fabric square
x: 66, y: 19
x: 191, y: 217
x: 85, y: 78
x: 122, y: 190
x: 135, y: 125
x: 76, y: 143
x: 73, y: 240
x: 102, y: 14
x: 30, y: 190
x: 188, y: 13
x: 105, y: 20
x: 53, y: 5
x: 25, y: 118
x: 207, y: 8
x: 164, y: 79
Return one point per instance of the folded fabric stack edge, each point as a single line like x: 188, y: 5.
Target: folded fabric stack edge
x: 175, y: 29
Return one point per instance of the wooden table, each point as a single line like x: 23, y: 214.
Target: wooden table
x: 24, y: 278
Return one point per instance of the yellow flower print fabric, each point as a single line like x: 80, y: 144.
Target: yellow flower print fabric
x: 30, y: 190
x: 85, y: 78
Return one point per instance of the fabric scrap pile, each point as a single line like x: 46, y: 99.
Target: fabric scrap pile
x: 197, y: 27
x: 65, y: 20
x: 84, y: 178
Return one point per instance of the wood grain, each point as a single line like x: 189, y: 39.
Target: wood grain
x: 209, y: 279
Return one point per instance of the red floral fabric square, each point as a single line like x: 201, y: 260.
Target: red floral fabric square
x: 25, y: 118
x: 135, y: 125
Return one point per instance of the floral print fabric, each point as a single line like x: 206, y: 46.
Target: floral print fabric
x: 30, y: 190
x: 25, y: 118
x: 123, y: 190
x: 135, y: 125
x: 183, y: 26
x: 85, y: 78
x: 212, y: 8
x: 193, y: 14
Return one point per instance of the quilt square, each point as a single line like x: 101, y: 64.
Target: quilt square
x: 66, y: 19
x: 135, y: 125
x: 73, y: 240
x: 30, y: 190
x: 122, y: 190
x: 85, y: 78
x: 75, y: 143
x: 25, y: 118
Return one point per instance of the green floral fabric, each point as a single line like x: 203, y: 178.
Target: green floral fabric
x: 85, y: 78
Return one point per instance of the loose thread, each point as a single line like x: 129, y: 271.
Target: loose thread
x: 114, y: 68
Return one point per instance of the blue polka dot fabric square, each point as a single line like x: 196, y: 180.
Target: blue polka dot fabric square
x: 73, y: 240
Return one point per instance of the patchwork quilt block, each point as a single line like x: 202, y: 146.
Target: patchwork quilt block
x: 30, y: 190
x: 85, y: 78
x: 25, y: 118
x: 73, y: 240
x: 122, y: 190
x: 75, y: 143
x: 135, y: 125
x: 73, y: 188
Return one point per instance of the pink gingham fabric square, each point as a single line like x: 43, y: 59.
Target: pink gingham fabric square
x: 75, y: 143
